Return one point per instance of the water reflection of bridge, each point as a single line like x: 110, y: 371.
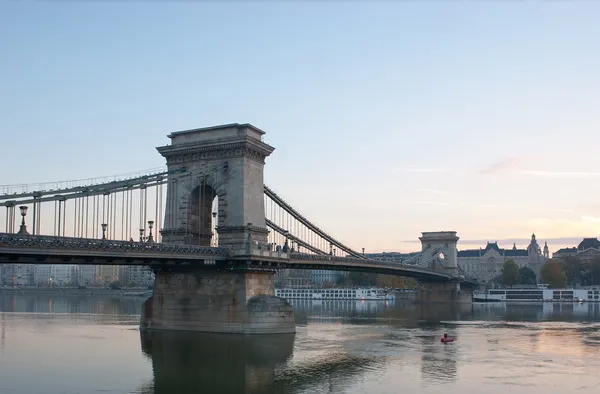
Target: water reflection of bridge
x: 183, y: 362
x: 187, y: 362
x: 104, y: 308
x: 560, y: 311
x: 398, y: 313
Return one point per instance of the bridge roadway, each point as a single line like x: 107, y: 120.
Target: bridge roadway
x: 36, y: 249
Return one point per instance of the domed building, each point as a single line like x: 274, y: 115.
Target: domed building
x: 587, y: 250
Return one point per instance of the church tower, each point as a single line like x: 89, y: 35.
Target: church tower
x: 533, y: 249
x: 546, y: 251
x: 534, y: 254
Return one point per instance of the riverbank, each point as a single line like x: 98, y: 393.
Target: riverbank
x: 92, y: 291
x: 405, y: 295
x: 102, y: 291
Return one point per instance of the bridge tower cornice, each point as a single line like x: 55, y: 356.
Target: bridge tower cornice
x: 215, y: 150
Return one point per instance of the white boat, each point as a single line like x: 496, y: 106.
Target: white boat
x: 334, y: 294
x: 539, y: 295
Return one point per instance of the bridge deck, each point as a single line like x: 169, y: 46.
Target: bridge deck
x: 29, y: 249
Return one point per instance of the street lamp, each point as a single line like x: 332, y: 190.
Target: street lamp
x: 150, y: 225
x: 141, y: 235
x: 214, y: 215
x: 23, y: 228
x: 286, y: 247
x: 104, y: 226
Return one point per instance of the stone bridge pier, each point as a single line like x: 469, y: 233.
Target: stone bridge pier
x: 451, y: 291
x: 218, y: 301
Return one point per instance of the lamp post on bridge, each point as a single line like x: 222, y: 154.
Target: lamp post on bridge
x: 23, y: 228
x: 104, y: 226
x: 142, y: 235
x: 286, y: 246
x: 214, y: 215
x: 150, y: 225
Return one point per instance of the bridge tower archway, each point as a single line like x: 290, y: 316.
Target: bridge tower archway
x: 439, y: 251
x: 202, y: 215
x: 223, y: 163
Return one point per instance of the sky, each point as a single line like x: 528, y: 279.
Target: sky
x: 388, y: 118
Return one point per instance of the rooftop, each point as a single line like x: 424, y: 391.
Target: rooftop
x: 589, y: 243
x: 218, y: 127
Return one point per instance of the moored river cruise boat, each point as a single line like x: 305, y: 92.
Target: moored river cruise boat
x: 539, y: 295
x: 335, y: 294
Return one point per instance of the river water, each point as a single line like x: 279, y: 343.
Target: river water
x: 68, y: 345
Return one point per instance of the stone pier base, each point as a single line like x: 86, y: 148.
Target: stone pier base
x: 240, y: 302
x: 443, y: 292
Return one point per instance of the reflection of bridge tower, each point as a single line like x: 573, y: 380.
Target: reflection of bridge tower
x: 225, y: 162
x: 3, y: 335
x: 216, y: 363
x: 439, y: 251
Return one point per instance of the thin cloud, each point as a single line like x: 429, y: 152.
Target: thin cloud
x: 432, y: 191
x: 423, y: 169
x: 431, y: 203
x: 507, y: 165
x: 519, y: 241
x: 478, y: 205
x: 558, y: 210
x: 524, y: 166
x: 462, y: 204
x: 590, y: 219
x: 560, y: 174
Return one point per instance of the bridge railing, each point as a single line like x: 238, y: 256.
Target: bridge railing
x: 68, y: 187
x: 255, y: 251
x: 339, y: 259
x: 51, y: 242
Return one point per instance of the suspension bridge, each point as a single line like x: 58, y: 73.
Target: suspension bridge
x: 206, y: 221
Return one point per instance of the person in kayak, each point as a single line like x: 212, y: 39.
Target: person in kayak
x: 446, y: 338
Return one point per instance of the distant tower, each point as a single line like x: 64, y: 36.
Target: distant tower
x: 514, y: 246
x: 546, y: 251
x: 533, y: 248
x: 534, y: 255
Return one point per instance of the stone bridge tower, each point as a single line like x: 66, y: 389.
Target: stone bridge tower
x: 225, y: 162
x: 439, y: 251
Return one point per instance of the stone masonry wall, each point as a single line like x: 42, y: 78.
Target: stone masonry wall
x: 217, y: 301
x: 442, y: 292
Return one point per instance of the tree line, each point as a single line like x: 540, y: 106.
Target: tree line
x: 513, y: 275
x: 568, y: 272
x: 571, y: 271
x: 362, y: 279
